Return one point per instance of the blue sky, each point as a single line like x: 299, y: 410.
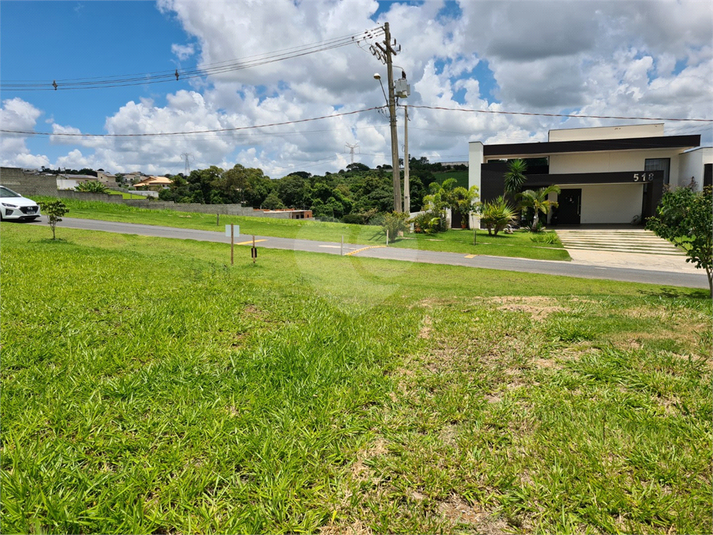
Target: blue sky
x: 642, y: 58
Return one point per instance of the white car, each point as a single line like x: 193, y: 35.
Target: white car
x: 15, y: 206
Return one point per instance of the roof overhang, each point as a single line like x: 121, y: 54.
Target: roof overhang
x: 538, y: 150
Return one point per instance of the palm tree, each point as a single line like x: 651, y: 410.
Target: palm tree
x: 463, y: 201
x: 515, y: 177
x: 537, y: 200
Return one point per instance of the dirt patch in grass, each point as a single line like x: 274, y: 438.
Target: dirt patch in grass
x: 431, y: 302
x: 643, y: 312
x: 359, y: 470
x: 355, y: 528
x: 425, y: 331
x: 455, y: 511
x: 538, y: 307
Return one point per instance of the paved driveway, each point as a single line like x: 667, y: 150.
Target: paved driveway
x: 633, y: 248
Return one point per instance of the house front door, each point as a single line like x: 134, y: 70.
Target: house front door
x: 570, y: 207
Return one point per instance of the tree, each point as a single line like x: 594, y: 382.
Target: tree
x: 435, y: 206
x: 537, y: 200
x: 291, y: 190
x: 273, y: 202
x: 685, y: 218
x: 54, y: 210
x: 464, y: 201
x: 496, y: 215
x: 515, y: 177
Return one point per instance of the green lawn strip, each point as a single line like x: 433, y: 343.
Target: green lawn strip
x: 518, y: 244
x: 150, y: 387
x: 125, y: 195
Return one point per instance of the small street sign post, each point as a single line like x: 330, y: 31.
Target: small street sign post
x: 232, y: 231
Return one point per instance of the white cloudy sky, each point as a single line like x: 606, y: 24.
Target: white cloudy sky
x: 641, y: 58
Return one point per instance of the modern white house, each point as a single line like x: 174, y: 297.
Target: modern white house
x: 607, y: 175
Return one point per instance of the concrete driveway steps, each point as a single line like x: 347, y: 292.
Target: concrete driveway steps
x: 637, y: 241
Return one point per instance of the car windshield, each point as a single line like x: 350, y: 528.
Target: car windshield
x: 5, y: 192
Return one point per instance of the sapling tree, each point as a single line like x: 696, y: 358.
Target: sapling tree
x: 685, y: 218
x: 54, y: 210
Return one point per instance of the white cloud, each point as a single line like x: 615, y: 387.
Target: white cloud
x: 20, y: 116
x: 183, y: 52
x: 645, y: 58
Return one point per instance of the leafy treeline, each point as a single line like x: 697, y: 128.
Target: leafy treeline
x: 354, y: 194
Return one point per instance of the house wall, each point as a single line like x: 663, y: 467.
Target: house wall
x: 606, y: 132
x: 475, y: 158
x: 608, y: 203
x: 67, y: 183
x: 692, y: 165
x: 611, y: 203
x: 604, y: 162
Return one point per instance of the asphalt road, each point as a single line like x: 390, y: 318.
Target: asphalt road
x: 567, y: 269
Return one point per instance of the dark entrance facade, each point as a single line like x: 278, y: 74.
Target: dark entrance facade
x: 570, y: 207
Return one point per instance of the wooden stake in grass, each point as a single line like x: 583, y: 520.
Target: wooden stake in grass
x: 232, y: 241
x: 253, y: 252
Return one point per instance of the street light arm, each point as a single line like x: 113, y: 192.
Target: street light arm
x: 386, y: 99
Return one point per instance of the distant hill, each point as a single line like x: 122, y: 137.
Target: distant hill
x: 460, y: 176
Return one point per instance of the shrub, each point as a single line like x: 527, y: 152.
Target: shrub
x: 91, y: 186
x: 496, y: 215
x: 429, y: 222
x: 547, y: 237
x: 685, y: 218
x: 393, y: 223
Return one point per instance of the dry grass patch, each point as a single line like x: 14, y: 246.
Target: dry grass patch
x: 456, y: 512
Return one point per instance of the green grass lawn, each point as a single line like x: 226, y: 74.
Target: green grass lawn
x: 518, y: 245
x: 125, y: 195
x: 148, y: 387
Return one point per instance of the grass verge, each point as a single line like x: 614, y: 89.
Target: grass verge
x: 149, y: 388
x: 517, y: 245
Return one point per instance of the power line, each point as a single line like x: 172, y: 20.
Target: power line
x: 175, y: 75
x: 191, y: 132
x: 375, y: 108
x: 576, y: 116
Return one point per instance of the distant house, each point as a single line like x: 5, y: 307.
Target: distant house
x: 131, y: 178
x: 613, y: 174
x: 154, y: 181
x: 106, y: 178
x: 72, y: 181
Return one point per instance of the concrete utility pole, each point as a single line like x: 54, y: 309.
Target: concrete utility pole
x: 387, y: 52
x: 407, y: 192
x: 392, y: 119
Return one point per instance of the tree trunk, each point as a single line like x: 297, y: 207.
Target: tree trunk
x: 534, y: 221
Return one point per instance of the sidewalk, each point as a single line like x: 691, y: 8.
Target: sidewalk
x: 633, y: 248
